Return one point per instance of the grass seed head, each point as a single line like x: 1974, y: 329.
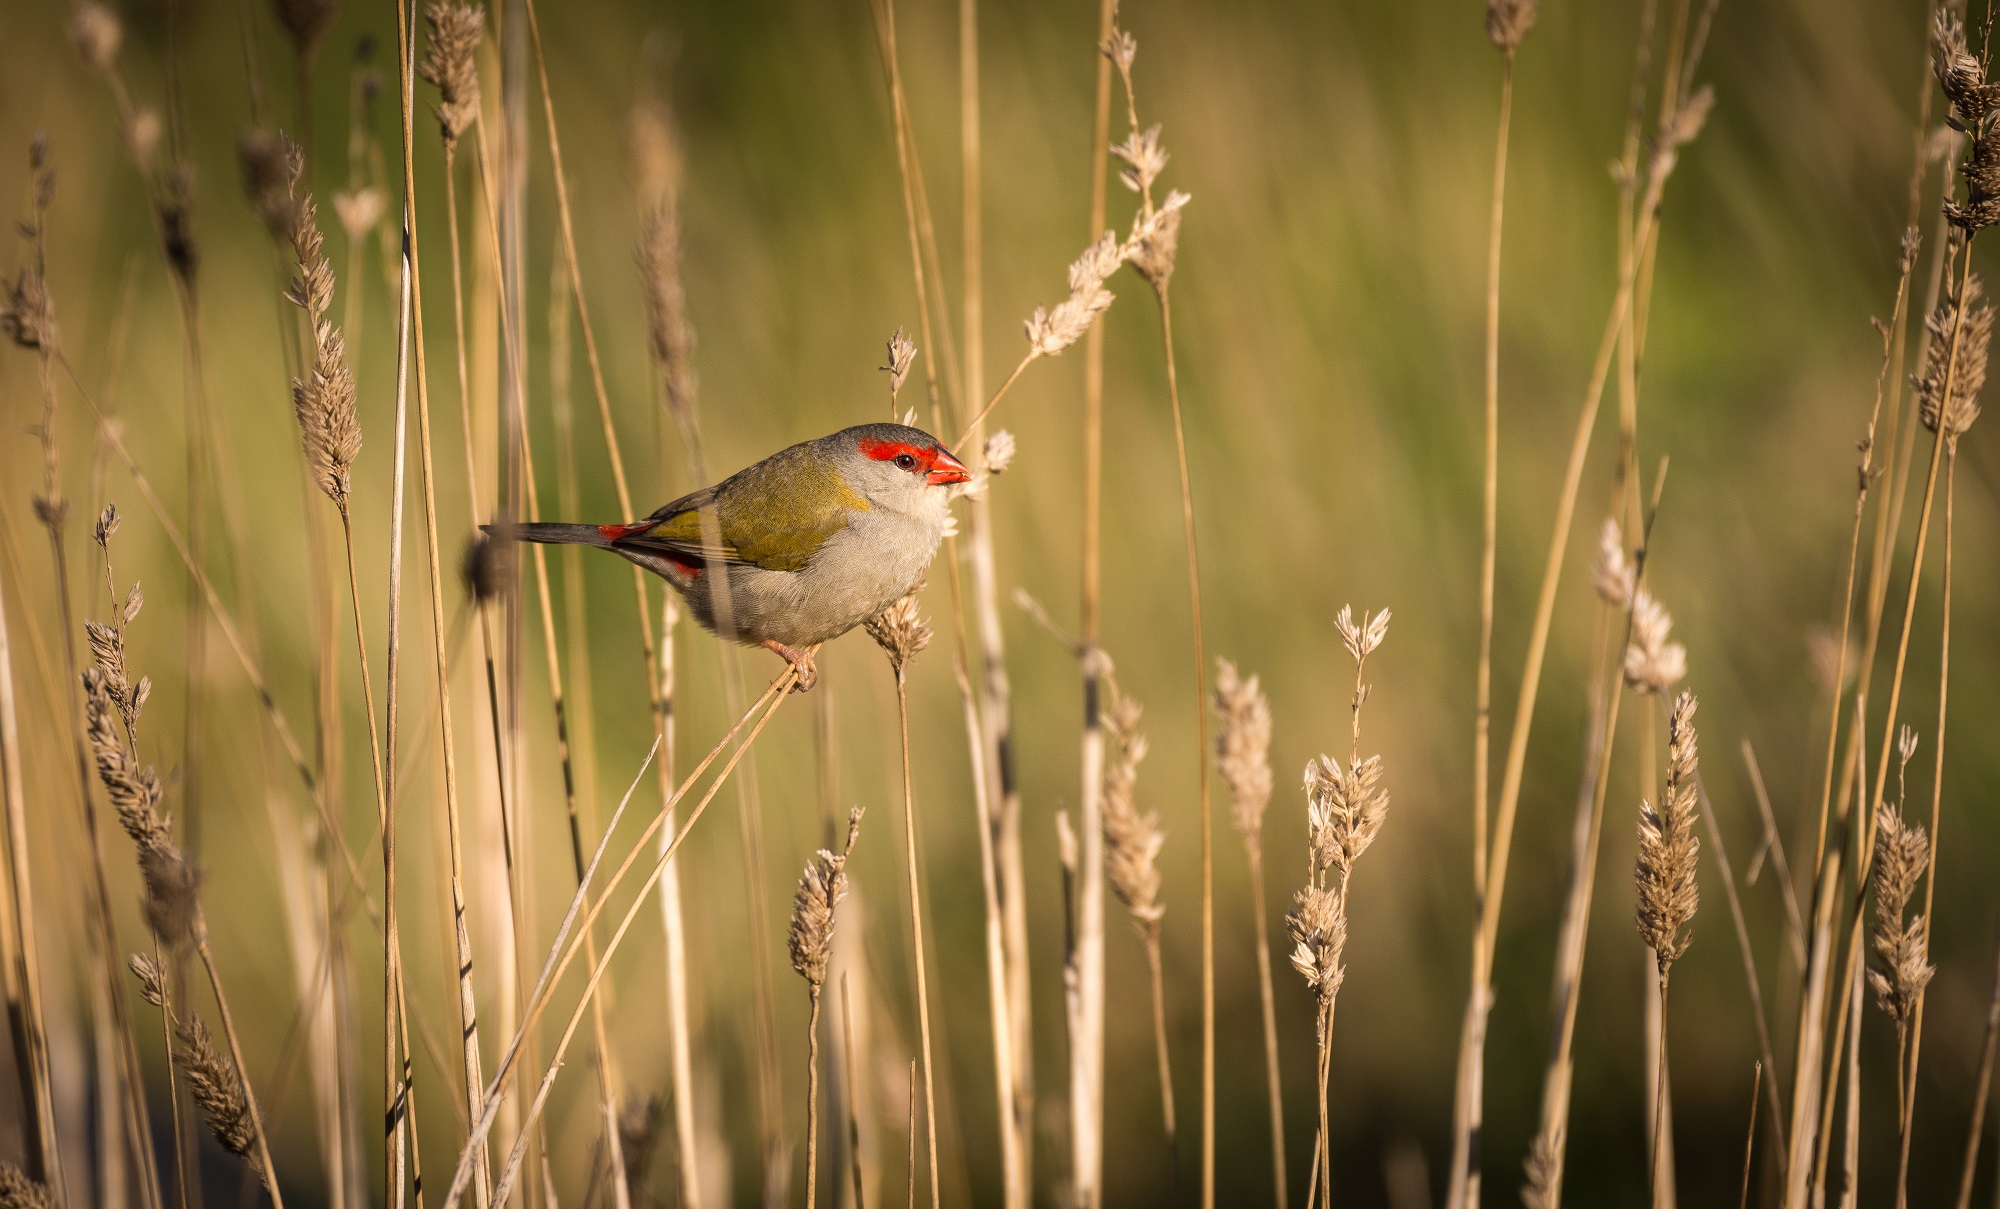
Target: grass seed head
x: 1653, y: 664
x: 1967, y: 322
x: 217, y: 1087
x: 17, y: 1191
x: 667, y: 325
x: 1508, y: 22
x: 1132, y: 839
x: 450, y: 64
x: 902, y: 355
x: 96, y: 33
x: 900, y: 630
x: 1668, y: 846
x: 1243, y: 747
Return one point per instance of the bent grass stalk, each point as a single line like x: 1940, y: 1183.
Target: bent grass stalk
x: 563, y: 951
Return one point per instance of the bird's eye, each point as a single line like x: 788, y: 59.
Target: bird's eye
x: 906, y: 462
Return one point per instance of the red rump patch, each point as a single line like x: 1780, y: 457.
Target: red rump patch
x: 612, y: 533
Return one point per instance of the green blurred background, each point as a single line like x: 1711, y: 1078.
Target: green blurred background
x: 1328, y: 307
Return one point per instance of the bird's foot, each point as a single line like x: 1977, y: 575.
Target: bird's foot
x: 801, y: 661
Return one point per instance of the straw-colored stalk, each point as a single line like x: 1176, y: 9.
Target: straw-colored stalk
x: 1507, y: 23
x: 1982, y: 1085
x: 1947, y: 371
x: 27, y: 318
x: 1132, y: 843
x: 902, y: 633
x: 810, y: 943
x: 1087, y: 1016
x: 1668, y: 897
x: 1948, y: 414
x: 23, y: 973
x: 468, y: 1014
x: 608, y: 1089
x: 1765, y: 1052
x: 1750, y: 1133
x: 1005, y: 923
x: 1243, y: 757
x: 564, y: 951
x: 1345, y: 809
x: 851, y: 1108
x: 995, y: 712
x: 749, y: 817
x: 1687, y: 123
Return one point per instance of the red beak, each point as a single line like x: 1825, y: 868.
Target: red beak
x: 947, y: 469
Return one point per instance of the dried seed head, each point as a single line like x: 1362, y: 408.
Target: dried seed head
x: 1668, y: 846
x: 360, y: 210
x: 107, y: 525
x: 171, y: 880
x: 902, y: 355
x: 1967, y: 324
x: 329, y: 425
x: 267, y: 158
x: 1824, y: 652
x: 655, y: 149
x: 1050, y: 332
x: 1612, y: 573
x: 667, y: 325
x: 1243, y: 748
x: 1902, y: 853
x: 1652, y: 663
x: 1121, y: 48
x: 176, y: 212
x: 1362, y: 639
x: 26, y: 317
x: 96, y: 32
x: 639, y: 1136
x: 1144, y: 159
x: 1508, y: 21
x: 1317, y: 925
x: 152, y: 979
x: 217, y: 1086
x: 821, y: 888
x: 142, y: 137
x: 1959, y: 72
x: 900, y: 630
x: 305, y: 21
x: 449, y: 63
x: 1544, y: 1168
x: 17, y: 1191
x: 1344, y: 810
x: 1132, y: 840
x: 998, y: 452
x: 1157, y: 241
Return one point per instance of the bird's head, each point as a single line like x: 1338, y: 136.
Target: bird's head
x: 900, y: 467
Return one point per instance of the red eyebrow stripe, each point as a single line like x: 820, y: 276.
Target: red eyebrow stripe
x: 884, y: 451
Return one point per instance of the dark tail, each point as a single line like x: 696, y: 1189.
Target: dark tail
x: 549, y: 534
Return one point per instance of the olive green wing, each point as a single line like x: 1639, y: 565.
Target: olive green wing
x: 775, y: 515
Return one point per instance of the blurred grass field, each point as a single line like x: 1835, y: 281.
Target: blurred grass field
x: 1329, y: 311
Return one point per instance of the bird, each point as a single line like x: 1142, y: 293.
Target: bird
x: 795, y: 550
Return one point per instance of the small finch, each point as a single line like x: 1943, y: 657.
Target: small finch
x: 799, y: 548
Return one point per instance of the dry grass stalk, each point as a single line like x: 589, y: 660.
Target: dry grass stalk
x: 1243, y: 757
x: 671, y: 340
x: 1982, y: 1085
x: 1151, y: 248
x: 987, y: 716
x: 810, y: 943
x: 774, y: 696
x: 414, y: 293
x: 1962, y: 78
x: 1680, y: 126
x: 1954, y: 410
x: 1668, y: 896
x: 1132, y: 843
x: 1345, y: 809
x: 1750, y: 1134
x: 1902, y: 855
x: 1507, y: 23
x: 564, y: 949
x: 324, y: 398
x: 23, y: 975
x: 27, y: 318
x: 901, y: 633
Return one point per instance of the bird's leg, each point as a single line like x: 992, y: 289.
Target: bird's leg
x: 802, y: 660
